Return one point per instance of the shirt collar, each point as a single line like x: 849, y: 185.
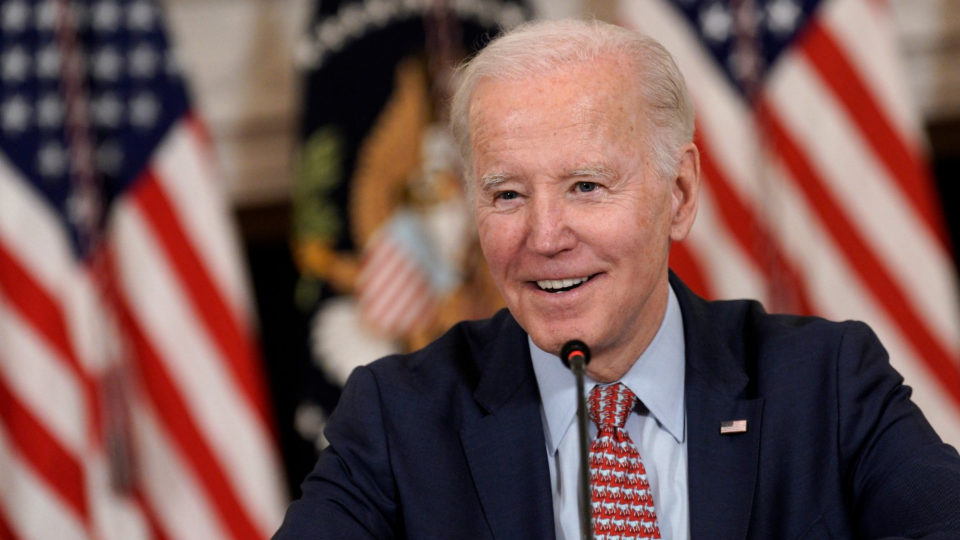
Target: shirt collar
x: 656, y: 378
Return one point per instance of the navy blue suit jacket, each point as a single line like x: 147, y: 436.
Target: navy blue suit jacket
x: 448, y: 442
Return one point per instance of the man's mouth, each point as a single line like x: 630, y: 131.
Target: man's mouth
x: 561, y: 285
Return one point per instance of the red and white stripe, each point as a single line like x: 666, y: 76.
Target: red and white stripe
x: 393, y: 292
x: 178, y: 318
x: 820, y: 200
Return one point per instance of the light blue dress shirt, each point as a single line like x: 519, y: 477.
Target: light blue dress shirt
x: 657, y: 427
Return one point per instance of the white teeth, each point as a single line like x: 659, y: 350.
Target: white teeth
x: 551, y: 284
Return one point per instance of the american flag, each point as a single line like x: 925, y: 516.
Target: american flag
x: 394, y: 296
x: 402, y: 277
x: 131, y: 401
x: 816, y: 194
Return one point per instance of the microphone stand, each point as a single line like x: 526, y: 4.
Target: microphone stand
x: 575, y: 354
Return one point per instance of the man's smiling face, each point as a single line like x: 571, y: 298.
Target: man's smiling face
x: 573, y: 222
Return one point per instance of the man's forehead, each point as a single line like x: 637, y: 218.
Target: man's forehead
x: 575, y: 88
x: 516, y: 114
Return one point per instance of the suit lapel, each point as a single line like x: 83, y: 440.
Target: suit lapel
x: 505, y: 448
x: 722, y: 468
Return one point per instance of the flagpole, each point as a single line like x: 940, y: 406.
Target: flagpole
x: 85, y: 209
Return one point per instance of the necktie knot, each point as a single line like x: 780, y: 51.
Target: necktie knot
x: 611, y: 405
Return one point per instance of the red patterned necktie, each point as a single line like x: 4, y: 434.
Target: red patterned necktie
x: 622, y: 502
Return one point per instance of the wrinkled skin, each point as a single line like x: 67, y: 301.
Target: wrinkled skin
x: 566, y: 189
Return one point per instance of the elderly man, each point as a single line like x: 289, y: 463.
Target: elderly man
x: 712, y: 420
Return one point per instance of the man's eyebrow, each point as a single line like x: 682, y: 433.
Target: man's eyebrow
x: 492, y: 180
x: 592, y: 171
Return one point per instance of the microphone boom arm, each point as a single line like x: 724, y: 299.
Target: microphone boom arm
x: 575, y: 354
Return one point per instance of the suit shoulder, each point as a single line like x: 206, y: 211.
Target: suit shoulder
x: 750, y: 320
x: 766, y: 343
x: 787, y: 348
x: 450, y: 362
x: 462, y: 340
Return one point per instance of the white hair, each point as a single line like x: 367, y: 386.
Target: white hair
x: 541, y: 48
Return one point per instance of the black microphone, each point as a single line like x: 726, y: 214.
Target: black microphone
x: 575, y: 355
x: 575, y: 352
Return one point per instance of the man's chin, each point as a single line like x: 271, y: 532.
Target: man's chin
x: 549, y: 331
x: 552, y: 341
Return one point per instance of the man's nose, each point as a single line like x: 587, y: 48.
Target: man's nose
x: 549, y: 229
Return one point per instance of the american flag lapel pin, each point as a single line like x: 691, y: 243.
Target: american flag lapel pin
x: 730, y: 427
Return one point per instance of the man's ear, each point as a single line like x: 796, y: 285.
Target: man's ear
x: 685, y: 190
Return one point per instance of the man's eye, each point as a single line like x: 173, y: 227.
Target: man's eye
x: 586, y: 187
x: 507, y: 195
